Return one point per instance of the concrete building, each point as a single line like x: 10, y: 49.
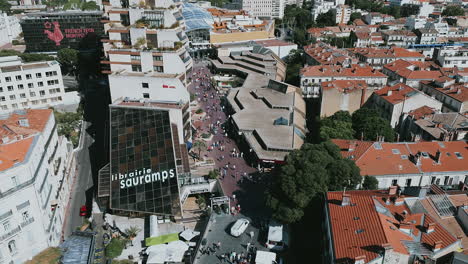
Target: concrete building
x: 260, y: 61
x: 279, y: 47
x: 413, y: 22
x: 265, y: 8
x: 427, y: 124
x: 10, y: 28
x: 323, y: 6
x: 427, y: 36
x: 409, y: 163
x: 343, y: 95
x: 35, y: 184
x: 377, y: 58
x: 452, y: 57
x: 395, y: 101
x: 313, y: 76
x: 399, y: 38
x: 375, y: 18
x: 29, y: 85
x: 397, y: 227
x: 454, y: 96
x: 342, y: 14
x: 147, y: 40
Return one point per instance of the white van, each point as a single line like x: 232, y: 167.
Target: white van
x: 239, y: 227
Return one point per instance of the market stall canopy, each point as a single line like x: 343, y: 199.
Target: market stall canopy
x: 265, y: 257
x: 172, y: 252
x: 151, y: 241
x: 275, y: 233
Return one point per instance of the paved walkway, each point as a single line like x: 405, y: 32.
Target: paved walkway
x: 209, y: 100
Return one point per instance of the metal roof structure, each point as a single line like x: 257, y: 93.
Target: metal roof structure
x: 196, y: 17
x: 443, y: 205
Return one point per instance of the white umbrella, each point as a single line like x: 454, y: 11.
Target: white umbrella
x: 175, y: 251
x: 189, y: 234
x: 156, y: 257
x: 264, y: 257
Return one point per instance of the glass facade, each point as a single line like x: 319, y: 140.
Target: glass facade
x: 48, y: 32
x: 142, y: 166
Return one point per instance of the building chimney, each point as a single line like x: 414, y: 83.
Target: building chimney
x: 438, y: 156
x: 430, y: 228
x: 437, y: 245
x: 389, y: 92
x: 352, y: 146
x: 346, y: 199
x: 392, y: 190
x: 360, y: 260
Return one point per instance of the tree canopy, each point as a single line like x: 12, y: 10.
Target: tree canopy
x: 354, y: 16
x: 298, y: 20
x: 5, y: 6
x: 370, y: 183
x: 294, y: 62
x: 310, y: 171
x: 336, y: 126
x: 26, y: 57
x: 326, y: 19
x: 453, y: 10
x: 68, y: 58
x: 368, y: 124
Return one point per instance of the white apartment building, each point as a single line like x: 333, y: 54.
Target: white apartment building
x: 342, y: 14
x: 321, y: 7
x: 34, y: 184
x: 146, y: 38
x: 29, y: 85
x: 452, y: 57
x: 10, y: 28
x: 413, y: 22
x: 265, y: 8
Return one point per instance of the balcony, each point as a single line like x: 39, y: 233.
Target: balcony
x: 10, y: 233
x: 27, y: 222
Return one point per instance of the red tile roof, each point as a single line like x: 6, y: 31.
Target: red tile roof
x: 16, y: 140
x: 395, y: 94
x: 336, y: 71
x: 344, y: 86
x: 273, y: 42
x: 402, y: 158
x: 415, y: 70
x: 458, y: 91
x: 326, y: 54
x: 359, y: 229
x: 421, y: 112
x: 394, y: 52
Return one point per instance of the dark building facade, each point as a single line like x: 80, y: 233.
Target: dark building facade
x: 143, y: 163
x: 52, y: 31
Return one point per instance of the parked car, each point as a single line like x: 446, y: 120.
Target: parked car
x: 239, y: 227
x: 83, y: 210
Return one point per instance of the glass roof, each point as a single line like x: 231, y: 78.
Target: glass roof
x: 196, y: 17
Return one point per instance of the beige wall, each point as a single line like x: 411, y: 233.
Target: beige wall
x: 334, y: 101
x: 239, y: 36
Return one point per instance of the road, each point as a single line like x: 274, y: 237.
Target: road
x: 80, y: 185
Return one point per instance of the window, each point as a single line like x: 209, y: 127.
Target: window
x: 20, y: 87
x: 12, y: 247
x: 24, y: 104
x: 157, y: 58
x: 51, y: 73
x: 35, y: 102
x: 32, y: 94
x: 145, y: 85
x: 146, y: 95
x: 4, y: 107
x: 446, y: 180
x: 25, y: 215
x: 6, y: 226
x: 31, y: 85
x: 1, y: 89
x: 28, y: 76
x: 23, y: 95
x: 2, y: 98
x: 39, y: 84
x: 136, y: 68
x: 135, y: 57
x: 10, y: 88
x: 433, y: 180
x: 394, y: 182
x: 12, y: 97
x: 14, y: 180
x: 42, y: 93
x: 408, y: 183
x: 158, y: 68
x: 38, y: 75
x: 18, y: 77
x: 8, y: 79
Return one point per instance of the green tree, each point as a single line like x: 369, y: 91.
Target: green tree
x: 409, y: 10
x: 310, y: 171
x: 300, y: 37
x: 5, y: 6
x: 339, y: 125
x: 132, y: 231
x: 91, y: 5
x: 68, y: 58
x: 294, y: 63
x: 370, y: 183
x: 354, y: 16
x: 368, y: 124
x: 199, y: 145
x: 453, y: 10
x: 213, y: 174
x: 392, y: 10
x: 115, y: 248
x: 326, y: 19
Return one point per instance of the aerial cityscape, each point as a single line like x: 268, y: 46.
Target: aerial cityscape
x: 234, y: 131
